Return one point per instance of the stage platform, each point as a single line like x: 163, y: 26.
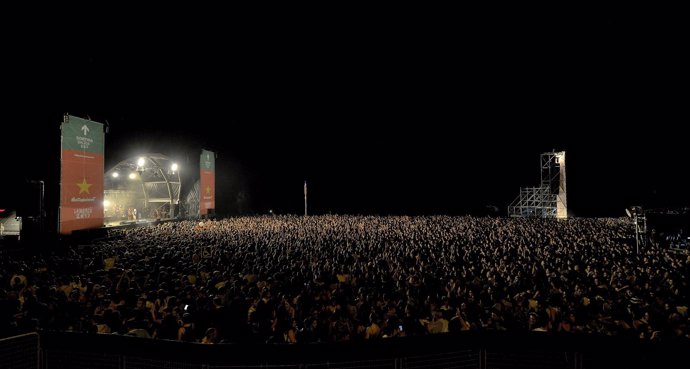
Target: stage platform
x: 138, y: 222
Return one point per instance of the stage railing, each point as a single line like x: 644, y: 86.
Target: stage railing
x: 471, y: 350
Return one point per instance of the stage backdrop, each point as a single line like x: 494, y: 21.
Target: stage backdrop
x: 81, y: 176
x: 207, y: 183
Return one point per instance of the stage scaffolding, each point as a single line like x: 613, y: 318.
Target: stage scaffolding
x: 549, y: 199
x: 149, y: 183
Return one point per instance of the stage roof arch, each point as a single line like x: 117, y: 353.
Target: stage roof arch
x: 149, y: 183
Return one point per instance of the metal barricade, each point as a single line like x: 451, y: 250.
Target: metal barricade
x: 19, y: 352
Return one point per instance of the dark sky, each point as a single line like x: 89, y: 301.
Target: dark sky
x: 405, y: 111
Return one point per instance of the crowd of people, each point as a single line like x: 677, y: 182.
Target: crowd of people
x: 330, y: 278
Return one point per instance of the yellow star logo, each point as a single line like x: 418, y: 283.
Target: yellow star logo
x: 208, y: 190
x: 84, y: 187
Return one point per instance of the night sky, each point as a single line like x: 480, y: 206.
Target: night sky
x: 412, y: 111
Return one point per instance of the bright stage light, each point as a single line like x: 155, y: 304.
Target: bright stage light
x: 141, y: 162
x: 173, y: 167
x: 115, y: 174
x: 132, y: 175
x: 106, y: 203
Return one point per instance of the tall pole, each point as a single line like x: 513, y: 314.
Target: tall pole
x: 39, y: 218
x: 41, y: 207
x: 305, y: 198
x: 637, y: 236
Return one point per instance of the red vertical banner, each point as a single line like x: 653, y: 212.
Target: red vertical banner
x: 81, y: 175
x: 207, y: 182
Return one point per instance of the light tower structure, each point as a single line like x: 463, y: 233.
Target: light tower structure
x: 549, y: 199
x: 639, y: 218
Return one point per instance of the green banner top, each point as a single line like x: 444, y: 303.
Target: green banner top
x: 208, y: 160
x: 82, y: 135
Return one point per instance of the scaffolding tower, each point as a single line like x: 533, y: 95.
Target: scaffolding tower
x: 549, y: 199
x: 640, y: 221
